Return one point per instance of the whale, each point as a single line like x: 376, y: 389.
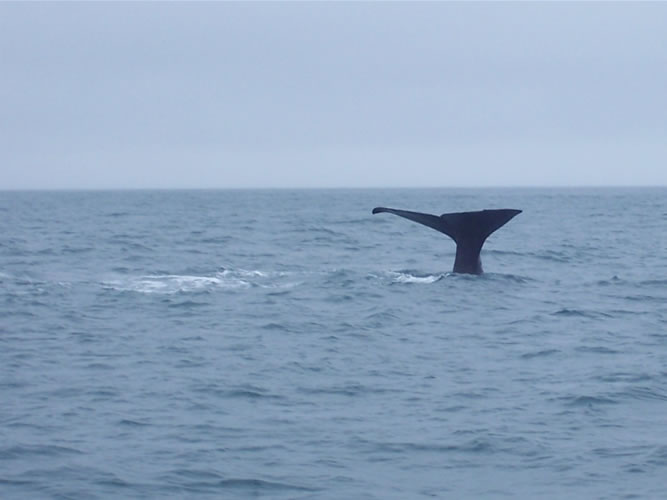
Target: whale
x: 468, y: 229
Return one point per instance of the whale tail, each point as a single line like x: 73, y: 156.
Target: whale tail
x: 468, y: 229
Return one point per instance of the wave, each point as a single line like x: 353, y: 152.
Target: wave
x: 412, y: 277
x: 185, y: 283
x: 581, y: 313
x: 492, y: 251
x: 132, y: 423
x: 551, y: 256
x: 205, y: 480
x: 244, y: 391
x: 658, y: 282
x: 613, y: 281
x: 540, y: 354
x: 623, y: 377
x: 473, y: 446
x: 166, y: 284
x: 642, y: 393
x: 350, y: 389
x: 597, y: 349
x: 506, y: 277
x: 21, y: 451
x: 258, y: 484
x: 588, y: 401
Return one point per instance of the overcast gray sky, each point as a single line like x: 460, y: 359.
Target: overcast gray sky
x: 139, y: 95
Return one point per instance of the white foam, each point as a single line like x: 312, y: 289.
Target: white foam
x: 252, y: 274
x: 177, y: 283
x: 409, y: 278
x: 167, y: 284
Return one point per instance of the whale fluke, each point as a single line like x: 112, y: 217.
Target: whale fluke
x: 468, y: 229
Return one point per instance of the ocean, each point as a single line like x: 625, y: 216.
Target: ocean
x: 288, y: 344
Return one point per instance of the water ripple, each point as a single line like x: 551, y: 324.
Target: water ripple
x: 287, y: 344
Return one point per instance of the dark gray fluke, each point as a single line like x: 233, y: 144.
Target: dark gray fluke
x: 468, y: 229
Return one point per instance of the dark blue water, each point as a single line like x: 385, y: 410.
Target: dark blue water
x: 288, y: 344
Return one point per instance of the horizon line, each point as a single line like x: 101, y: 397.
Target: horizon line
x: 305, y: 188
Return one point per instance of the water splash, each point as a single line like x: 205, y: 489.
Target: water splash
x: 226, y: 279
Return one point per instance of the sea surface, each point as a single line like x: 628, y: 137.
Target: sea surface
x: 288, y: 344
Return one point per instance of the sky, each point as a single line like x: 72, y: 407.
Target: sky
x: 315, y: 94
